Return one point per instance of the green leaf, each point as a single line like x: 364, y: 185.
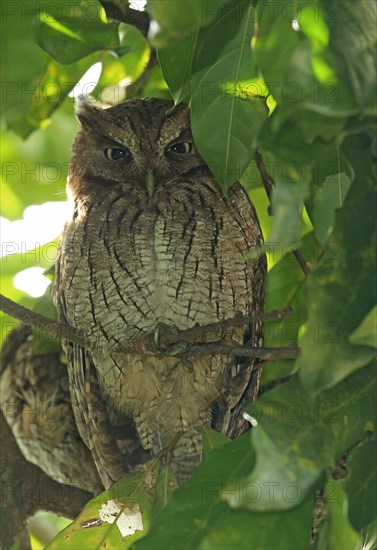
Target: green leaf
x: 300, y: 51
x: 226, y: 115
x: 340, y: 290
x: 339, y: 531
x: 130, y: 500
x: 285, y: 288
x: 75, y: 30
x: 190, y: 508
x: 361, y: 484
x: 166, y: 485
x: 330, y: 197
x: 295, y: 441
x: 197, y: 515
x: 173, y: 26
x: 176, y: 64
x: 352, y: 49
x: 213, y: 440
x: 366, y: 332
x: 50, y: 92
x: 290, y: 192
x: 19, y: 71
x: 289, y: 449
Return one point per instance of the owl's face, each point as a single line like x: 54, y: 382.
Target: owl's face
x: 144, y: 142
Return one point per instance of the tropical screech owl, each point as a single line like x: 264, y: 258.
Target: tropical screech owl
x: 153, y: 242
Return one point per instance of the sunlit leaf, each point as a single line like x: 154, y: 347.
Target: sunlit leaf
x: 75, y: 31
x: 173, y: 26
x: 115, y: 518
x: 226, y: 113
x: 366, y: 332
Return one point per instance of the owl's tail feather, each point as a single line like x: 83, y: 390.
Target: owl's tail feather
x: 183, y: 453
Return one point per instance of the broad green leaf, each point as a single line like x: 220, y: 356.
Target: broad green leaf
x: 213, y: 440
x: 178, y: 18
x: 35, y: 171
x: 341, y: 291
x: 330, y: 197
x: 295, y: 441
x: 249, y: 531
x: 76, y: 30
x: 115, y: 518
x: 175, y: 63
x: 226, y: 115
x: 339, y: 531
x: 285, y: 288
x: 291, y: 189
x: 22, y: 61
x: 361, y: 484
x: 366, y: 332
x: 165, y: 487
x: 190, y: 508
x: 156, y: 85
x: 119, y: 74
x: 50, y: 92
x: 348, y: 410
x: 290, y: 449
x: 197, y: 515
x: 352, y: 49
x: 303, y: 70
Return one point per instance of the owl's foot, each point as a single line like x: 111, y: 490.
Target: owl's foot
x: 172, y: 350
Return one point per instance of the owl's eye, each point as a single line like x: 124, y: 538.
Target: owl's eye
x: 115, y: 153
x: 183, y: 148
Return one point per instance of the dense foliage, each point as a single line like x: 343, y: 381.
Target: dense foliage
x: 312, y: 63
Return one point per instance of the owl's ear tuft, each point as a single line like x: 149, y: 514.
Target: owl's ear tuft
x: 87, y: 111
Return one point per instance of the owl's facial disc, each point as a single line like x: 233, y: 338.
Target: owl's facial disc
x: 146, y: 143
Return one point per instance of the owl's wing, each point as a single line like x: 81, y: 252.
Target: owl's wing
x: 111, y: 438
x: 35, y: 390
x: 244, y: 377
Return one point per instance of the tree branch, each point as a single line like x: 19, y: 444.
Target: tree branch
x: 54, y: 329
x: 269, y: 186
x: 134, y: 88
x: 26, y: 489
x: 165, y: 340
x: 120, y: 11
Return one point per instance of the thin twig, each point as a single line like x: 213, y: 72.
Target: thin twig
x: 269, y: 185
x: 266, y: 354
x: 267, y: 181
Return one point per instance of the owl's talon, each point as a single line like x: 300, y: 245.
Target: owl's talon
x: 156, y: 337
x: 177, y: 349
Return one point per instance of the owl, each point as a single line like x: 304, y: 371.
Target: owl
x: 152, y: 243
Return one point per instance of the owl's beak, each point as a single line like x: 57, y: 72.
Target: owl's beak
x: 149, y: 182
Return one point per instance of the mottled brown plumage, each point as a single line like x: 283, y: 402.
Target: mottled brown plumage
x: 36, y: 403
x: 153, y: 241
